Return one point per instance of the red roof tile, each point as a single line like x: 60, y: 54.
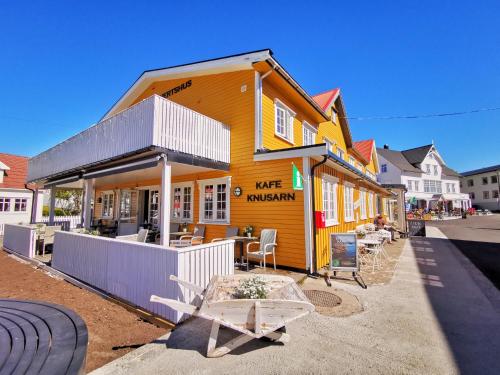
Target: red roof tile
x: 325, y: 98
x: 365, y: 148
x: 14, y: 178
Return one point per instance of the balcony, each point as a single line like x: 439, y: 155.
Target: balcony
x: 153, y: 123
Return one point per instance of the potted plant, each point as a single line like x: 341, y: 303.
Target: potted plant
x: 184, y: 227
x: 254, y: 288
x: 248, y: 230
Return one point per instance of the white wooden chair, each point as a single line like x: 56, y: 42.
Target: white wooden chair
x: 190, y: 239
x: 138, y: 237
x: 267, y: 246
x: 48, y: 236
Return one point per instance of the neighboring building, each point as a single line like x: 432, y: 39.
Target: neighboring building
x: 15, y: 199
x: 429, y: 182
x: 483, y: 186
x: 216, y: 143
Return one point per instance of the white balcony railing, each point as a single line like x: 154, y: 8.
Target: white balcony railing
x: 153, y: 122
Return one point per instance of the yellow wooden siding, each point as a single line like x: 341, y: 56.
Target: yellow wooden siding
x: 333, y: 132
x: 323, y: 234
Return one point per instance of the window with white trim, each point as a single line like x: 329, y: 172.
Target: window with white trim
x: 370, y: 175
x: 432, y: 186
x: 107, y: 205
x: 352, y: 161
x: 428, y: 168
x: 20, y: 204
x: 435, y: 170
x: 4, y: 204
x: 330, y: 208
x: 416, y: 186
x: 214, y: 200
x: 340, y: 153
x: 125, y: 204
x: 348, y: 202
x: 308, y: 134
x: 284, y: 117
x: 154, y: 207
x: 409, y: 185
x: 329, y: 144
x: 182, y: 204
x: 334, y: 115
x: 371, y: 210
x: 362, y: 204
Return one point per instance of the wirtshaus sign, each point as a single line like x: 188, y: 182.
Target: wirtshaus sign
x: 176, y: 89
x: 269, y: 197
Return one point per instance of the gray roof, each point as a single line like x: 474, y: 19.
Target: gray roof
x: 397, y: 158
x: 493, y: 168
x: 416, y: 155
x: 450, y: 172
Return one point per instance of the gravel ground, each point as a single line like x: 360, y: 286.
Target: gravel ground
x: 431, y: 319
x: 109, y: 325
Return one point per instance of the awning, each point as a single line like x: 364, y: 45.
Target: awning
x: 127, y: 167
x: 61, y: 181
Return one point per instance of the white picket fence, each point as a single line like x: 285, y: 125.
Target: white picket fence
x: 73, y: 220
x: 20, y: 239
x: 134, y: 271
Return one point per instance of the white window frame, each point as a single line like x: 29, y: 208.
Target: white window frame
x: 20, y: 202
x: 348, y: 202
x: 215, y: 182
x: 352, y: 161
x: 416, y: 185
x: 182, y: 218
x: 435, y: 170
x: 289, y: 117
x: 362, y: 204
x: 334, y: 115
x: 109, y: 206
x: 330, y: 199
x: 122, y: 195
x: 340, y: 152
x: 308, y: 131
x: 5, y: 202
x: 371, y: 210
x: 329, y: 144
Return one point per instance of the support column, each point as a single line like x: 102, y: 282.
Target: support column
x: 52, y: 205
x: 166, y: 182
x: 87, y: 203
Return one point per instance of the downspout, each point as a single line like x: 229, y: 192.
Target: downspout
x: 34, y: 203
x: 314, y: 264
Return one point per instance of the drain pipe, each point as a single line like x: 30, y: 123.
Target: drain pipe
x: 313, y: 267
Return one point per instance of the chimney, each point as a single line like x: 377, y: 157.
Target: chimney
x: 386, y: 147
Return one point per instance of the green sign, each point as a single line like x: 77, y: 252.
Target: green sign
x: 298, y: 183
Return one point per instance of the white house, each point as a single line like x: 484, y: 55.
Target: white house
x: 424, y: 173
x: 483, y: 186
x: 16, y: 198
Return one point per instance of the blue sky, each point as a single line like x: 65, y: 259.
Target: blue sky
x: 65, y: 63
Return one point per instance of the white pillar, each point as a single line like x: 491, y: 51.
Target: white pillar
x: 87, y: 203
x: 52, y: 205
x: 166, y: 181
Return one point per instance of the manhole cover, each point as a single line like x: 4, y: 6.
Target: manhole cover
x: 320, y: 298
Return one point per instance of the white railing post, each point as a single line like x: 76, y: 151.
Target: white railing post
x: 52, y: 205
x: 166, y: 180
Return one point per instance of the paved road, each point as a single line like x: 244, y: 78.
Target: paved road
x: 433, y: 318
x: 478, y: 238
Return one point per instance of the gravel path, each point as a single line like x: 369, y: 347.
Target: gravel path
x: 432, y: 318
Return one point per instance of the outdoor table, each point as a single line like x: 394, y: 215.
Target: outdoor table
x: 41, y: 338
x: 180, y: 234
x: 241, y: 240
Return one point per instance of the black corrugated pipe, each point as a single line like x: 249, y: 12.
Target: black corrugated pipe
x: 314, y: 259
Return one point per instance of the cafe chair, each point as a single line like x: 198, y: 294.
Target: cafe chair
x: 139, y: 237
x: 195, y: 239
x: 230, y: 232
x: 267, y: 246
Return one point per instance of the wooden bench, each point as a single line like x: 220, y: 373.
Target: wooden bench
x: 41, y: 338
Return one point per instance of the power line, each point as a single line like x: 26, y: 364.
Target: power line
x: 361, y: 118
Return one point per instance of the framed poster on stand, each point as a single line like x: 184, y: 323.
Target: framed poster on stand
x: 344, y: 255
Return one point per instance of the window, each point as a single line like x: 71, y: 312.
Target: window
x: 494, y: 194
x: 370, y: 175
x: 340, y: 153
x: 494, y: 179
x: 4, y: 204
x: 154, y: 207
x: 452, y: 188
x: 348, y: 201
x: 284, y: 121
x: 352, y: 161
x: 125, y: 204
x: 409, y: 185
x: 383, y: 168
x: 435, y: 170
x: 472, y: 195
x: 486, y: 195
x: 329, y: 144
x: 334, y: 115
x: 362, y: 204
x: 428, y: 168
x: 107, y: 205
x: 485, y: 180
x: 214, y: 200
x: 182, y: 205
x: 415, y: 186
x: 359, y: 166
x: 370, y: 205
x: 470, y: 182
x: 308, y: 134
x: 330, y: 199
x: 432, y: 186
x: 20, y: 204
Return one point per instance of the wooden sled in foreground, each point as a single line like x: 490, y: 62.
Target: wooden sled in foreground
x: 254, y: 318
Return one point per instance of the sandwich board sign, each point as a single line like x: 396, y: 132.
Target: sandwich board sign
x: 343, y: 252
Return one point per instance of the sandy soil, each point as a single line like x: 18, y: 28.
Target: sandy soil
x: 113, y: 331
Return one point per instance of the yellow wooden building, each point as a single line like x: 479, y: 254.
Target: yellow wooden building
x: 215, y: 142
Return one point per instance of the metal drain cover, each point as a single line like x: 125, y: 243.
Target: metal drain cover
x: 320, y: 298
